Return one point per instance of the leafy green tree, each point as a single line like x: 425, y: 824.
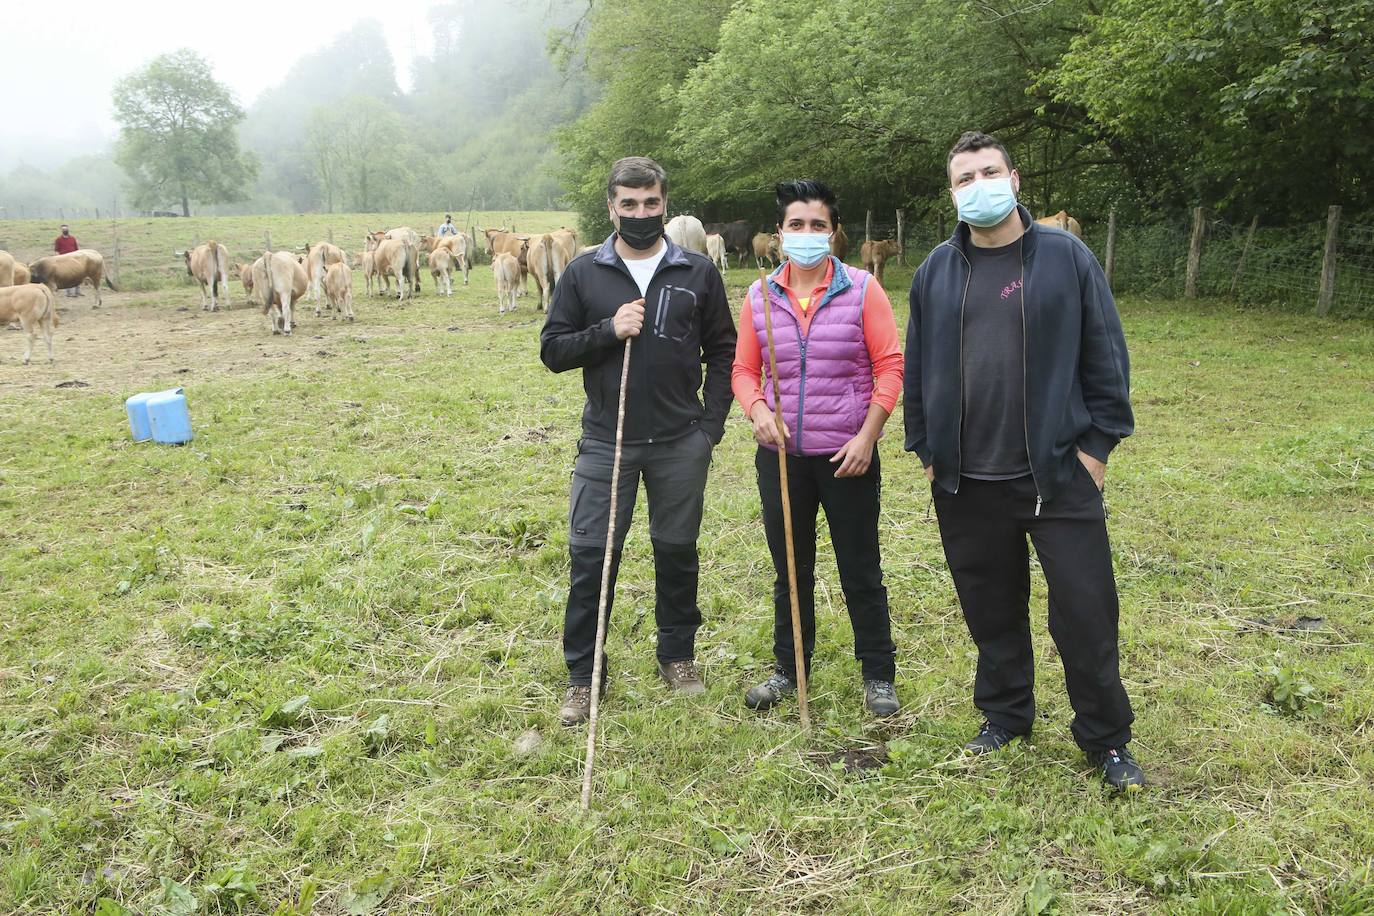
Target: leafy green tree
x: 1252, y: 105
x: 178, y: 139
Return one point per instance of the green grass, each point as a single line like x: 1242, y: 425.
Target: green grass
x: 374, y: 521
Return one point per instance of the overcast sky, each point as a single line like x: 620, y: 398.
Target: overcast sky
x: 75, y: 50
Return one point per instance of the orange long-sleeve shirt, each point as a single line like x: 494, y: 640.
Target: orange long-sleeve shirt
x: 880, y: 336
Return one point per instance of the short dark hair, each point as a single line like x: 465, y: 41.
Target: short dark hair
x: 971, y: 141
x: 805, y: 190
x: 636, y: 172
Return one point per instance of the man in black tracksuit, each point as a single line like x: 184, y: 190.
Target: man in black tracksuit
x: 1016, y: 391
x: 672, y: 302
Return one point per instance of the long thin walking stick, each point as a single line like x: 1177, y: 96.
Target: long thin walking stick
x: 799, y: 652
x: 605, y: 584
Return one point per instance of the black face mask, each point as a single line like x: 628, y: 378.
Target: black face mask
x: 641, y: 232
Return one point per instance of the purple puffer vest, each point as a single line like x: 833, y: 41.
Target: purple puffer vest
x: 826, y: 377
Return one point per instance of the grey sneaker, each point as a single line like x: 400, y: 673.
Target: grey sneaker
x: 770, y: 691
x: 881, y: 698
x: 682, y: 676
x: 577, y: 703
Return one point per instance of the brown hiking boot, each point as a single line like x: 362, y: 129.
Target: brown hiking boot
x: 577, y: 703
x: 682, y: 677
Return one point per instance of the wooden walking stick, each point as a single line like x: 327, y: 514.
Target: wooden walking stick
x: 605, y: 583
x: 799, y: 652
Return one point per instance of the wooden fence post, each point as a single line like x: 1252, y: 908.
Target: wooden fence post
x: 116, y: 251
x: 868, y: 225
x: 329, y: 234
x: 267, y: 239
x: 1240, y: 265
x: 1328, y: 287
x: 1194, y: 255
x: 1110, y: 267
x: 901, y: 239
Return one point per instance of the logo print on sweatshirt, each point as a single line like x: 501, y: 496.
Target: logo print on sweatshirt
x: 1013, y: 287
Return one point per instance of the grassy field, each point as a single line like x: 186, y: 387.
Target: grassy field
x: 147, y: 247
x: 312, y: 658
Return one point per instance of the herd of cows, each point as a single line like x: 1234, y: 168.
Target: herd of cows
x: 277, y: 280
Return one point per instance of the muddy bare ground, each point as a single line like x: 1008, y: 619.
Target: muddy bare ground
x: 138, y: 339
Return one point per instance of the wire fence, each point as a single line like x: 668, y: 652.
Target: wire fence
x: 1275, y: 266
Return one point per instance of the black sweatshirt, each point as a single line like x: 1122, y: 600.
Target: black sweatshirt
x: 1076, y: 372
x: 687, y: 323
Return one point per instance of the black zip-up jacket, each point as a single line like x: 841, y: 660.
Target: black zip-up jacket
x: 1076, y: 370
x: 687, y: 322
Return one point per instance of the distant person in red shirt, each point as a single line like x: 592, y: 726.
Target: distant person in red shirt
x: 66, y: 244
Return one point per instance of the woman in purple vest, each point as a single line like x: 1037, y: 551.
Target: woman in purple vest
x: 840, y: 373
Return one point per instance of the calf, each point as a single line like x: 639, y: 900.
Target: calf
x: 338, y: 289
x: 246, y: 278
x: 459, y: 247
x: 506, y: 270
x: 441, y: 269
x: 209, y: 264
x: 7, y: 263
x: 715, y: 250
x: 875, y: 254
x: 35, y: 307
x: 318, y: 257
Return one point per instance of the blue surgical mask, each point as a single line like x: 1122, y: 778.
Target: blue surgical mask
x: 986, y: 202
x: 805, y: 249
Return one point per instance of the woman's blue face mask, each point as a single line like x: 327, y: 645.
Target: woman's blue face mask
x: 806, y: 249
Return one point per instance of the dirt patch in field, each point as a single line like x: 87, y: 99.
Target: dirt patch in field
x: 138, y: 341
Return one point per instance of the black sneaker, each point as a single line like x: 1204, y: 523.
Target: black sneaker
x: 881, y: 698
x: 990, y: 738
x: 1119, y: 769
x: 770, y: 691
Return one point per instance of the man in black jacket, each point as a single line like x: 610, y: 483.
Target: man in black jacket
x: 1016, y: 391
x: 603, y: 298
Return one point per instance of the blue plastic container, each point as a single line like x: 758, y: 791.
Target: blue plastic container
x: 168, y: 417
x: 137, y: 409
x: 159, y: 415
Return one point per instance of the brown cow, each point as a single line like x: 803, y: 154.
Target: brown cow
x: 875, y: 253
x: 687, y: 233
x: 540, y: 259
x: 565, y: 249
x: 35, y: 306
x: 766, y: 249
x: 506, y: 270
x: 412, y: 262
x: 338, y: 289
x: 21, y: 273
x: 318, y: 257
x: 393, y: 258
x: 6, y: 268
x: 209, y: 264
x: 68, y: 271
x: 280, y: 282
x: 1062, y: 220
x: 459, y: 247
x: 839, y: 243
